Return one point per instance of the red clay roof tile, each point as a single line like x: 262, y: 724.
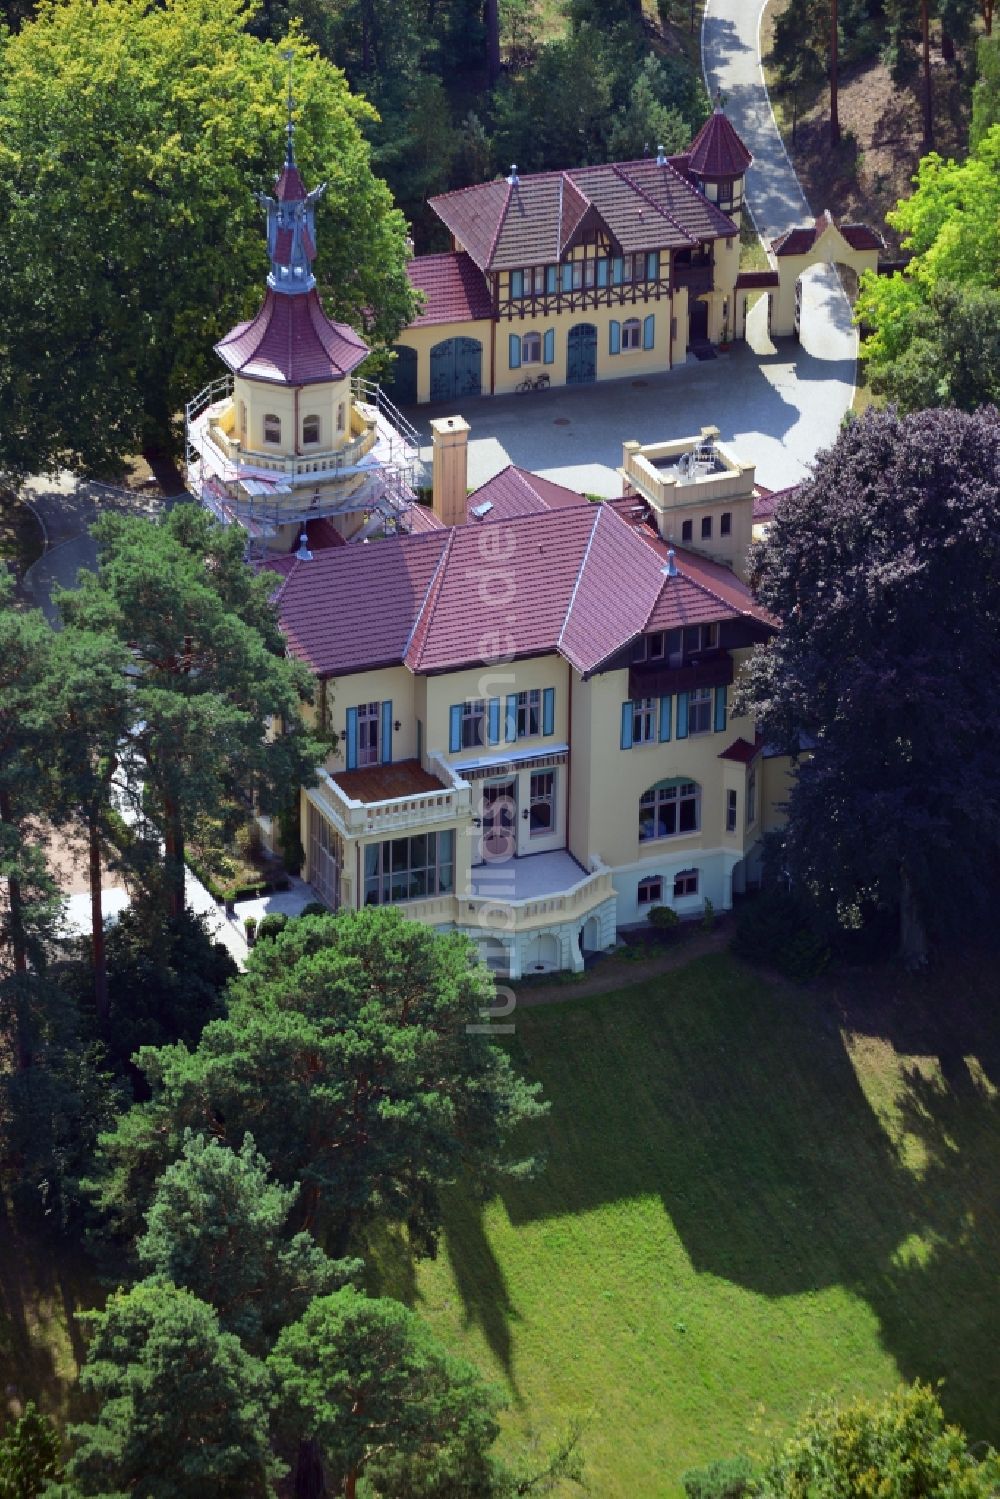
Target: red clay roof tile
x: 579, y: 580
x: 454, y: 286
x: 717, y: 151
x: 291, y: 341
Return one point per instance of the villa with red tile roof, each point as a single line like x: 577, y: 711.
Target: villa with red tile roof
x: 530, y: 695
x: 594, y: 273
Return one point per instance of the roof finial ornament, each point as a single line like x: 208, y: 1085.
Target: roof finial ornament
x: 670, y: 571
x: 719, y: 101
x: 513, y: 179
x: 289, y: 57
x: 661, y: 157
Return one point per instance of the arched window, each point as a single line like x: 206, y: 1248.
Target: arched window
x: 531, y: 348
x: 631, y: 333
x: 669, y: 808
x: 310, y: 429
x: 272, y: 428
x: 243, y: 422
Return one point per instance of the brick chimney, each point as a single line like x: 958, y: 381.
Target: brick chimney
x: 450, y: 440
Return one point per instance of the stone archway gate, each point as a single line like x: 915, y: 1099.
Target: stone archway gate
x: 821, y: 243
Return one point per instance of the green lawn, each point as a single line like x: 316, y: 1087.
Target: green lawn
x: 751, y: 1195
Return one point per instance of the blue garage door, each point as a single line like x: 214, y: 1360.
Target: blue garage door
x: 456, y: 369
x: 401, y: 386
x: 581, y: 355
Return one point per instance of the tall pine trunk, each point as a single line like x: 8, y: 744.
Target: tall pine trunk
x: 310, y: 1480
x: 834, y: 92
x: 19, y: 947
x: 100, y: 961
x: 912, y: 933
x: 925, y: 28
x: 173, y: 846
x: 491, y: 17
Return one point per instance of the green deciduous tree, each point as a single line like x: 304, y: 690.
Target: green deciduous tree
x: 986, y: 93
x: 353, y: 1051
x: 217, y: 1227
x: 953, y: 354
x: 210, y: 674
x: 367, y: 1381
x: 134, y: 136
x: 949, y: 225
x: 884, y: 569
x: 900, y: 1448
x: 182, y: 1408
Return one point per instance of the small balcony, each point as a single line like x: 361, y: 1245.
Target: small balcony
x: 383, y: 800
x: 696, y: 278
x: 707, y: 669
x: 516, y: 894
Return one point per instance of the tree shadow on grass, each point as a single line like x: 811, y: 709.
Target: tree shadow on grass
x: 738, y: 1104
x: 45, y: 1280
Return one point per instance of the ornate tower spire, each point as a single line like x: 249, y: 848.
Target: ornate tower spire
x: 291, y: 218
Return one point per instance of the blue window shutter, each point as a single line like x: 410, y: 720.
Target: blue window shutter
x: 666, y: 711
x: 652, y: 265
x: 549, y: 710
x: 617, y: 270
x: 682, y: 715
x: 493, y: 726
x: 386, y: 745
x: 551, y: 277
x: 602, y: 271
x: 455, y: 729
x: 614, y: 336
x: 648, y: 328
x: 549, y: 346
x: 514, y: 351
x: 567, y: 276
x: 510, y: 718
x: 352, y: 739
x: 516, y: 285
x: 720, y: 709
x: 626, y: 725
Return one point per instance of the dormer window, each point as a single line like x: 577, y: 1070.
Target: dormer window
x: 310, y: 429
x: 272, y: 428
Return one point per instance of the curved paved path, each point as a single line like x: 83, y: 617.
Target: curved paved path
x: 730, y: 58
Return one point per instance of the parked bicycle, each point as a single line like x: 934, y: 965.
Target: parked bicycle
x: 534, y: 382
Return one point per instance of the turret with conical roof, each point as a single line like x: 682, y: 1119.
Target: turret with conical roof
x: 718, y: 160
x: 294, y: 439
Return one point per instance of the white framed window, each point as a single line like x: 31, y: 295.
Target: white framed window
x: 542, y: 804
x: 685, y: 883
x: 752, y: 796
x: 730, y: 811
x: 700, y: 710
x: 631, y: 333
x: 643, y: 720
x: 657, y: 646
x: 341, y: 416
x: 531, y: 348
x: 310, y: 429
x: 726, y: 523
x: 473, y: 723
x: 589, y: 272
x: 272, y: 427
x: 368, y: 722
x: 668, y: 809
x: 706, y: 528
x: 243, y: 422
x: 577, y: 274
x: 529, y: 713
x: 650, y: 891
x: 687, y: 530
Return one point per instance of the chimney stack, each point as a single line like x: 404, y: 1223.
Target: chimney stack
x: 450, y: 441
